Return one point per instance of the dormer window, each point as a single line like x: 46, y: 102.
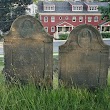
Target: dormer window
x: 49, y: 8
x: 77, y: 8
x: 92, y: 8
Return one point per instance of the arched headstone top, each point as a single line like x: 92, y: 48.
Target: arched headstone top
x: 85, y: 36
x: 26, y: 29
x: 84, y: 58
x: 27, y: 26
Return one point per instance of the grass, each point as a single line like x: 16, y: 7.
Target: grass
x: 28, y: 97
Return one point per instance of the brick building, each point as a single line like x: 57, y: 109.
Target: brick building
x: 60, y: 17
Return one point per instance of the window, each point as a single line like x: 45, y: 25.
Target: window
x: 74, y: 19
x: 46, y: 29
x: 45, y: 19
x: 66, y: 17
x: 80, y: 19
x: 52, y: 29
x: 74, y: 7
x: 52, y: 19
x: 52, y: 8
x: 89, y: 19
x: 77, y: 8
x: 60, y: 18
x: 49, y: 8
x: 96, y: 19
x: 93, y: 8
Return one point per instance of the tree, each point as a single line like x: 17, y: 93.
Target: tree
x: 10, y: 10
x: 105, y: 11
x: 104, y: 0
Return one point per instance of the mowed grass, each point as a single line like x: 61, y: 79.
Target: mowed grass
x: 28, y: 97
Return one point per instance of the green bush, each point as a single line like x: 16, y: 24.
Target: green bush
x: 63, y: 36
x: 105, y: 35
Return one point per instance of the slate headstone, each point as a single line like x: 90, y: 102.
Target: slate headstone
x: 84, y: 58
x: 28, y: 52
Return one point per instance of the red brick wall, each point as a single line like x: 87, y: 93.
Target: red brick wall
x: 49, y: 24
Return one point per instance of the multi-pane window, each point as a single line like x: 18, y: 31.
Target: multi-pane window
x: 49, y: 8
x: 96, y: 19
x: 77, y: 8
x: 52, y: 29
x: 89, y: 19
x: 80, y: 19
x: 74, y: 19
x: 46, y: 29
x: 93, y: 8
x: 74, y: 7
x: 52, y: 19
x: 45, y: 19
x: 52, y: 8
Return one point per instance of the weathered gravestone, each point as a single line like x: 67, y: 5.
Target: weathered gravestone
x: 84, y: 58
x: 28, y: 52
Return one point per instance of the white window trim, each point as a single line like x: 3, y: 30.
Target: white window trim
x: 52, y: 18
x: 95, y: 18
x: 49, y: 7
x: 52, y: 29
x: 46, y: 29
x: 89, y: 19
x: 80, y: 19
x: 45, y: 19
x: 77, y: 8
x: 74, y: 18
x: 93, y: 8
x: 60, y: 18
x: 66, y: 18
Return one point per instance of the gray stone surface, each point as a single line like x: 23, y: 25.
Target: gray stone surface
x: 84, y: 58
x: 28, y: 52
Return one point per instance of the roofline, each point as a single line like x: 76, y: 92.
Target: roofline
x: 75, y: 4
x: 90, y: 4
x: 64, y: 22
x: 104, y: 23
x: 70, y: 3
x: 70, y: 13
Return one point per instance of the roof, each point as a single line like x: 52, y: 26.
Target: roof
x: 65, y: 7
x: 97, y: 3
x: 48, y: 3
x: 105, y: 23
x: 76, y: 3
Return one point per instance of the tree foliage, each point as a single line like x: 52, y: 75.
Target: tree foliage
x: 105, y: 11
x: 10, y: 10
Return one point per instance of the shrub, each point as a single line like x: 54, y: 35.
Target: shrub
x: 105, y: 35
x: 63, y: 36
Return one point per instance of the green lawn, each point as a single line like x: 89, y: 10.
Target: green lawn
x: 28, y: 97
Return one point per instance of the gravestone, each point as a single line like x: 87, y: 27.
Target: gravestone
x: 84, y: 58
x: 28, y: 52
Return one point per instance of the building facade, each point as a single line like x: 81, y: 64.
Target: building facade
x: 60, y: 17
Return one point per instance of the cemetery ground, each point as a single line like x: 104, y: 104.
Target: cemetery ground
x: 28, y: 97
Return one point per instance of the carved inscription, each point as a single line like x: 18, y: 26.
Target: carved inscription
x: 85, y: 38
x: 26, y: 29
